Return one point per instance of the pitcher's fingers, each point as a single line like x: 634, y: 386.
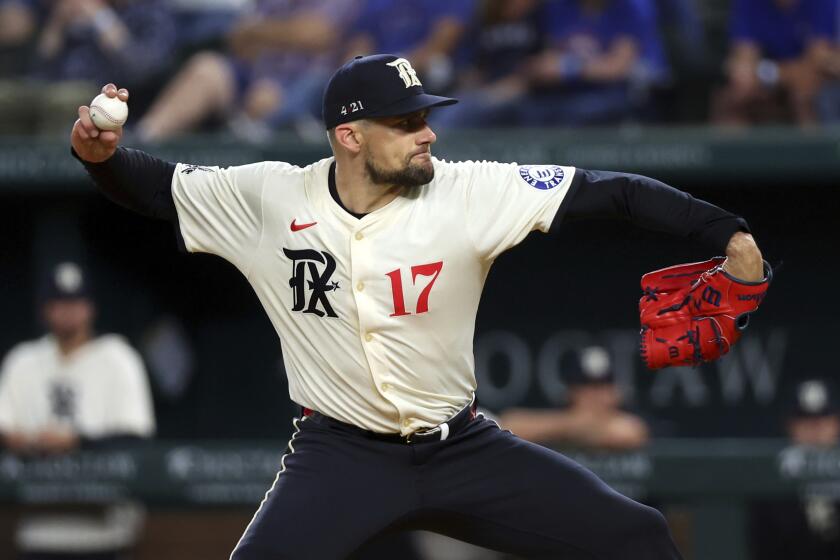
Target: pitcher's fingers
x: 80, y: 130
x: 110, y: 90
x: 122, y: 93
x: 84, y: 118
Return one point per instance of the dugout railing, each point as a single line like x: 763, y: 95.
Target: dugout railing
x: 717, y: 156
x: 711, y: 481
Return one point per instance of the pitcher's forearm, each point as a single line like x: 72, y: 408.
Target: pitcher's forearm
x: 649, y: 204
x: 137, y: 181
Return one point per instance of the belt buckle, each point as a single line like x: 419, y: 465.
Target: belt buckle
x: 442, y: 429
x: 410, y: 438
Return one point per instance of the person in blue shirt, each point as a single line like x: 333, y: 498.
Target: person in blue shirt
x: 59, y: 50
x: 278, y: 57
x: 428, y: 33
x: 825, y: 51
x: 772, y: 71
x: 101, y: 40
x: 504, y: 34
x: 600, y: 54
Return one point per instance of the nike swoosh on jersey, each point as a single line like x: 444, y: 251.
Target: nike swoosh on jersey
x: 298, y: 227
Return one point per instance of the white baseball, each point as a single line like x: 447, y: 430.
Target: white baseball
x: 108, y: 113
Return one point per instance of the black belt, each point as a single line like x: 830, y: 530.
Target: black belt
x: 438, y: 433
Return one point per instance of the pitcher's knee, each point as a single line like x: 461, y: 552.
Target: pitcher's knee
x: 287, y: 549
x: 646, y: 535
x: 247, y: 551
x: 654, y: 523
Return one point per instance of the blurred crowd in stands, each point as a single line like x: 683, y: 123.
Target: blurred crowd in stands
x: 251, y: 67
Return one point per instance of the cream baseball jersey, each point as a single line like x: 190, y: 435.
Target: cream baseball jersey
x: 99, y: 390
x: 376, y: 315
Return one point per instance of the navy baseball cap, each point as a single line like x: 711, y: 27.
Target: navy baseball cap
x: 814, y: 397
x: 587, y: 366
x: 379, y: 85
x: 65, y: 280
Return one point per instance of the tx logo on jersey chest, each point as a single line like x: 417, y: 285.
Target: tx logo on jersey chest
x: 311, y: 281
x: 63, y: 401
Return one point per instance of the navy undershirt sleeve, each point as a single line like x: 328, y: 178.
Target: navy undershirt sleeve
x: 137, y: 181
x: 649, y: 204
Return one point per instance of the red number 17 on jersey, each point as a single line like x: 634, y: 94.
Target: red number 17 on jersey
x: 431, y: 269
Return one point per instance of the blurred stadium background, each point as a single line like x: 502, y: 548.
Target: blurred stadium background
x: 733, y: 101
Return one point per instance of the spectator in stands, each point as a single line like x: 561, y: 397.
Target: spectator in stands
x: 127, y: 41
x: 600, y: 55
x: 826, y: 54
x: 204, y: 24
x: 808, y: 527
x: 73, y: 390
x: 682, y: 93
x: 18, y: 30
x: 281, y: 55
x: 682, y: 19
x: 18, y: 23
x: 428, y: 33
x: 593, y: 419
x: 772, y: 71
x: 83, y: 43
x: 505, y: 34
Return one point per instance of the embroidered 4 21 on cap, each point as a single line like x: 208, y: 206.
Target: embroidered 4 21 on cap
x: 379, y: 85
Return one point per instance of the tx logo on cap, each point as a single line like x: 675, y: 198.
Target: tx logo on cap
x: 407, y: 73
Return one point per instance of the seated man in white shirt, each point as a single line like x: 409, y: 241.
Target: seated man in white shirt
x: 594, y: 417
x: 73, y: 389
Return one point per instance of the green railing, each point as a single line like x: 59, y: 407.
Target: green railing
x: 715, y: 479
x: 705, y: 155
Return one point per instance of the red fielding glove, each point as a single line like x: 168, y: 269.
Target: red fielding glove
x: 693, y: 313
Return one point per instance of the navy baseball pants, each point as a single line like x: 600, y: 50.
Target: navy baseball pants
x: 339, y: 486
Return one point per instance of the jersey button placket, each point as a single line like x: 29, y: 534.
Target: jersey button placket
x: 360, y: 257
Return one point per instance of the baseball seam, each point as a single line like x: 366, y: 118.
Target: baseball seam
x: 106, y: 114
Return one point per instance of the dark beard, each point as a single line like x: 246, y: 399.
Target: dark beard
x: 410, y: 177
